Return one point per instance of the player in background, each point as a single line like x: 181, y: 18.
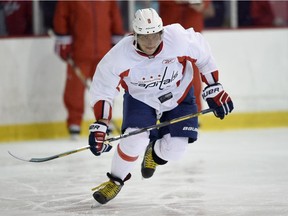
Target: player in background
x: 155, y: 66
x: 17, y: 18
x: 84, y: 31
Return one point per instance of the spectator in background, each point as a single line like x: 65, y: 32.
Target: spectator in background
x: 18, y: 17
x: 244, y: 13
x: 48, y: 9
x: 280, y: 10
x: 188, y: 14
x: 3, y: 31
x: 84, y: 32
x: 262, y: 14
x: 218, y: 20
x: 255, y: 13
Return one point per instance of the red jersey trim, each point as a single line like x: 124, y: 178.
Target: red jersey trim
x: 122, y: 82
x: 212, y: 77
x: 183, y: 60
x: 102, y: 110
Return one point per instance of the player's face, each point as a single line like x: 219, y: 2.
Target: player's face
x: 149, y: 43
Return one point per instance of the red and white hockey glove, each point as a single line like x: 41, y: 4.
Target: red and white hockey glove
x: 218, y: 100
x: 97, y: 135
x: 63, y: 46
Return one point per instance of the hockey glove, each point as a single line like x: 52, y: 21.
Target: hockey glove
x: 97, y: 135
x: 218, y: 100
x: 63, y: 46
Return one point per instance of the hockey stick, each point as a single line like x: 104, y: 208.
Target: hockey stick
x: 121, y: 136
x: 78, y: 72
x: 75, y: 68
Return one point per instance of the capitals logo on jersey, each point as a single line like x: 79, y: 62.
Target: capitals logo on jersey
x: 159, y: 81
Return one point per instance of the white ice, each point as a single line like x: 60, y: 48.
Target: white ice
x: 233, y: 173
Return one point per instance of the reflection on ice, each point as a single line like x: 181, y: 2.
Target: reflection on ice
x: 224, y: 173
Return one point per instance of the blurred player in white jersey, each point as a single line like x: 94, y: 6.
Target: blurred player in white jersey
x: 155, y: 67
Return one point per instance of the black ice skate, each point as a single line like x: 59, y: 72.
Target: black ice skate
x: 148, y: 165
x: 108, y: 190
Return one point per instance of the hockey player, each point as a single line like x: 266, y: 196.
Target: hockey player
x: 85, y: 31
x: 155, y: 67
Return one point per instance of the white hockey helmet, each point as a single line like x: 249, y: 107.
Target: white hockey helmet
x: 147, y: 21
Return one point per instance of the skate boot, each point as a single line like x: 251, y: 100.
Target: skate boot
x: 148, y: 165
x: 108, y: 190
x: 74, y: 131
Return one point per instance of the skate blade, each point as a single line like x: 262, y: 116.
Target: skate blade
x: 96, y: 205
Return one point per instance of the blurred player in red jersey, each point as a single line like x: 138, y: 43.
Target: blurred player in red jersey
x: 84, y: 31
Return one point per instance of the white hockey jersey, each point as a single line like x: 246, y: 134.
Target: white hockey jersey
x: 161, y: 81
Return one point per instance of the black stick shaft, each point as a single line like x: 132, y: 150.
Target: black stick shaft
x: 149, y: 128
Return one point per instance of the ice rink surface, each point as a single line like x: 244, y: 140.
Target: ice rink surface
x: 233, y: 173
